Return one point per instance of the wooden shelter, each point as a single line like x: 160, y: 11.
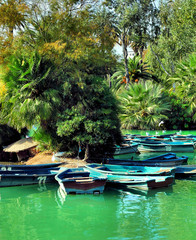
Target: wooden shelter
x: 24, y: 148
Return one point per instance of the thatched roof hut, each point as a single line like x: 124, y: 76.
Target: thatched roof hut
x: 21, y: 145
x: 21, y: 148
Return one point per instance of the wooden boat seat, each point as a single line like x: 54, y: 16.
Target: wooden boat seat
x: 85, y: 180
x: 125, y: 180
x: 192, y: 171
x: 99, y: 167
x: 79, y: 178
x: 161, y: 170
x: 124, y: 145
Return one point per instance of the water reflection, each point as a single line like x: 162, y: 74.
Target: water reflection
x: 62, y: 197
x: 25, y: 191
x: 157, y: 214
x: 42, y: 213
x: 147, y: 193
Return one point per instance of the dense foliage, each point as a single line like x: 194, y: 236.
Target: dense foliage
x: 144, y: 106
x: 61, y: 74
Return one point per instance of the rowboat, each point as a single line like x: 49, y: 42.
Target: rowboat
x: 29, y: 167
x: 166, y: 137
x: 183, y: 139
x: 132, y: 170
x: 142, y: 183
x: 126, y: 149
x: 185, y: 171
x: 80, y: 181
x: 163, y: 138
x: 124, y: 181
x: 164, y: 160
x: 27, y: 177
x: 156, y: 146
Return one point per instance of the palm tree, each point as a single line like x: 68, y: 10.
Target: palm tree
x: 13, y: 14
x: 185, y: 83
x: 32, y: 92
x: 143, y: 106
x: 138, y: 70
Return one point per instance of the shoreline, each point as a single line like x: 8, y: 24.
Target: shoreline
x: 46, y: 157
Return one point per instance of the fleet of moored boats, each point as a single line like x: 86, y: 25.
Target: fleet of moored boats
x: 156, y: 143
x: 155, y: 172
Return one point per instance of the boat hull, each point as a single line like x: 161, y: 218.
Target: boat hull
x: 81, y: 187
x: 166, y: 163
x: 160, y: 183
x: 186, y: 171
x: 164, y: 160
x: 15, y: 178
x: 81, y: 181
x: 145, y: 183
x: 126, y: 150
x: 131, y: 170
x: 123, y: 181
x: 28, y: 167
x: 150, y: 147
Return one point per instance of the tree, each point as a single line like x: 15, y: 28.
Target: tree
x: 143, y: 106
x: 12, y: 14
x: 64, y: 78
x: 178, y: 118
x: 184, y: 80
x: 91, y: 118
x: 135, y: 23
x: 146, y: 27
x: 177, y: 38
x: 33, y: 94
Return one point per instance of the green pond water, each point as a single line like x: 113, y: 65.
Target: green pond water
x: 43, y: 213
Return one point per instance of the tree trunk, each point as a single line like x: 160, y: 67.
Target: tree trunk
x: 79, y: 150
x: 159, y: 61
x: 141, y: 49
x: 125, y: 55
x: 11, y: 35
x: 86, y: 156
x: 109, y: 80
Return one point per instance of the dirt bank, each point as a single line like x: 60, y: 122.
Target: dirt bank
x: 46, y: 157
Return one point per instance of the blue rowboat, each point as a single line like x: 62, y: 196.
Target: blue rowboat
x: 80, y: 181
x: 132, y: 170
x: 123, y: 181
x: 164, y: 160
x: 8, y: 167
x: 156, y: 146
x: 27, y: 177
